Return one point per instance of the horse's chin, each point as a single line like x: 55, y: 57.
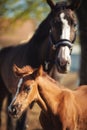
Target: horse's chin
x: 63, y: 69
x: 16, y: 116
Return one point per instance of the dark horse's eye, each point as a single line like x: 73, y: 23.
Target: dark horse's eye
x: 26, y: 89
x: 75, y: 26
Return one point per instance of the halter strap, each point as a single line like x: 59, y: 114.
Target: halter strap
x: 49, y: 61
x: 63, y: 42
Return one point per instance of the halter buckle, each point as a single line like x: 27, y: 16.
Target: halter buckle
x: 46, y: 65
x: 53, y: 47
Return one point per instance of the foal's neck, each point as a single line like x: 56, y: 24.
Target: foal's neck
x: 49, y: 91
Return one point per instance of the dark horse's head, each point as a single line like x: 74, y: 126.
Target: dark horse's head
x: 62, y: 32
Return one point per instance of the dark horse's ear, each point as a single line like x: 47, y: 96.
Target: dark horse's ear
x: 75, y: 4
x: 51, y: 4
x: 22, y: 71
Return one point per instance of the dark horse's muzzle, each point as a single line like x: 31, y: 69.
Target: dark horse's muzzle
x: 63, y: 64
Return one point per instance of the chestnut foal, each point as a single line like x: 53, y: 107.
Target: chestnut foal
x: 64, y: 109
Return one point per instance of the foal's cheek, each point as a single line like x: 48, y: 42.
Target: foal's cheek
x: 24, y: 106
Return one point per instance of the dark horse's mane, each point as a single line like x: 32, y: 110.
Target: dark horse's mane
x: 42, y: 31
x: 38, y: 38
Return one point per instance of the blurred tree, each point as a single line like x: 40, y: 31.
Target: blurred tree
x: 82, y: 17
x: 23, y: 8
x: 12, y: 10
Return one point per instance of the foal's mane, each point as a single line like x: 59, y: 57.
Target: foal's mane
x: 46, y: 76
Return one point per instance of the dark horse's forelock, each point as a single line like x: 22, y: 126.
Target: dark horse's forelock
x: 60, y: 6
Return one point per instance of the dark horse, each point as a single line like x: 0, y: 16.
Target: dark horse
x: 50, y: 46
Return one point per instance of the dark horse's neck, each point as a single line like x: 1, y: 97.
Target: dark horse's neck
x: 39, y: 42
x: 31, y: 52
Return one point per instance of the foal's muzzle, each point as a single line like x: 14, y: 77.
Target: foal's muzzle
x: 14, y: 110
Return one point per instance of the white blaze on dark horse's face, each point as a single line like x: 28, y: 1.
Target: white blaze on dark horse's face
x: 66, y: 27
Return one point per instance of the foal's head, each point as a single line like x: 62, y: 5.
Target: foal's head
x: 26, y: 93
x: 63, y: 32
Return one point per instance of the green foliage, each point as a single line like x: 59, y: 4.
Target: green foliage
x: 23, y: 9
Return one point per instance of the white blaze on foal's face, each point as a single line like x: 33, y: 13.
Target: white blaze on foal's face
x: 18, y: 87
x: 17, y: 92
x: 64, y: 51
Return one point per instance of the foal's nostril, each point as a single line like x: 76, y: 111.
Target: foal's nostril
x: 14, y: 109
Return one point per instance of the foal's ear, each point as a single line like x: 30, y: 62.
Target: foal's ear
x: 22, y: 71
x: 37, y: 72
x: 17, y: 71
x: 75, y: 4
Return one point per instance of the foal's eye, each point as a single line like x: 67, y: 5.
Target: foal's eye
x: 26, y: 89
